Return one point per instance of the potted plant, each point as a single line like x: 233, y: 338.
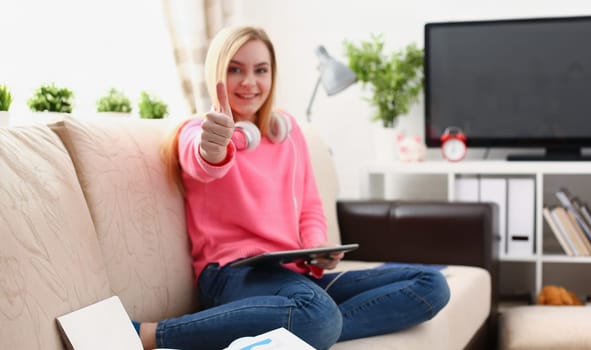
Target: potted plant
x: 50, y: 98
x: 114, y: 102
x: 151, y: 107
x: 5, y: 98
x: 5, y: 101
x: 396, y: 79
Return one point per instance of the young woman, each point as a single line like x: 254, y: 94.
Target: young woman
x: 241, y: 202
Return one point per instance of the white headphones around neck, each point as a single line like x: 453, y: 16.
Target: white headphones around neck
x: 247, y: 135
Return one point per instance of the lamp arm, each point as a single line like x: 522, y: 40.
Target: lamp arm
x: 309, y: 109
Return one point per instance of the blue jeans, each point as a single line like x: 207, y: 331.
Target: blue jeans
x: 248, y: 301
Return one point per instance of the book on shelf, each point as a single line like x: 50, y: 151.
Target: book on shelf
x: 579, y: 231
x: 585, y: 212
x: 560, y: 236
x: 572, y: 207
x: 582, y: 209
x: 565, y: 224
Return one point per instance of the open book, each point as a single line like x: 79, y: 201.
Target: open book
x: 277, y: 339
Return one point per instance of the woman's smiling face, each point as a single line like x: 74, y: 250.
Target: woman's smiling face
x: 249, y: 80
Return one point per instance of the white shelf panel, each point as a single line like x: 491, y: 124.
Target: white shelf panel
x: 558, y: 258
x: 553, y: 258
x: 480, y: 167
x: 532, y: 258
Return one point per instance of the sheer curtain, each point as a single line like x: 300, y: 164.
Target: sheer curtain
x: 192, y: 24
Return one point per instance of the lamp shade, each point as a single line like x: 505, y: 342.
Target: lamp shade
x: 334, y: 75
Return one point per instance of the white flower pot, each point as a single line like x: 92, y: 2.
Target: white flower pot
x: 385, y: 145
x: 114, y: 114
x: 42, y: 118
x: 4, y: 119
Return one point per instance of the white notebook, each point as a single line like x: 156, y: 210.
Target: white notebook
x: 100, y: 326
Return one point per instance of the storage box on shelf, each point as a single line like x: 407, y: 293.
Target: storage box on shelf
x: 526, y: 265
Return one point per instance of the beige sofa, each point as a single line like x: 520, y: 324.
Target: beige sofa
x: 86, y: 213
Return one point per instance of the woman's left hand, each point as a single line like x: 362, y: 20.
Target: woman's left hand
x: 327, y: 261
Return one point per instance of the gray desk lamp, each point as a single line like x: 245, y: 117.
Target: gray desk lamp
x: 334, y: 75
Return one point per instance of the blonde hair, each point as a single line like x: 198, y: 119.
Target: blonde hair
x: 221, y: 50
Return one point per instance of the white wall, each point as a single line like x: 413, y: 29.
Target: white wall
x: 90, y: 46
x: 299, y: 26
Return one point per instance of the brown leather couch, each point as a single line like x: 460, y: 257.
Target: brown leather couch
x: 427, y: 233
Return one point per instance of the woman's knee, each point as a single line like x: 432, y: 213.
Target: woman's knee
x: 439, y: 293
x: 317, y: 320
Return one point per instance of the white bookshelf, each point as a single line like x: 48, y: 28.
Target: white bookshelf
x: 548, y: 176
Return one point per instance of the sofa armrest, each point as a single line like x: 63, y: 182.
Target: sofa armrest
x: 427, y: 232
x: 422, y: 232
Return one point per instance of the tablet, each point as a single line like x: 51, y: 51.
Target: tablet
x: 287, y: 256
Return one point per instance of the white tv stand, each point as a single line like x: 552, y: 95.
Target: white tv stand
x: 548, y: 264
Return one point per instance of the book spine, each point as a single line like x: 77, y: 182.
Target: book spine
x: 560, y: 218
x: 579, y: 232
x: 560, y: 236
x: 585, y: 212
x: 566, y: 201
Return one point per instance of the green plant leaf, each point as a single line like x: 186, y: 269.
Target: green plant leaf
x: 52, y: 99
x: 5, y: 98
x: 114, y: 101
x: 396, y: 80
x: 151, y: 107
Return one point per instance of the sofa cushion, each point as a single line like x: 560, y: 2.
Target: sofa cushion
x: 451, y: 329
x: 50, y: 259
x: 138, y: 216
x: 544, y: 327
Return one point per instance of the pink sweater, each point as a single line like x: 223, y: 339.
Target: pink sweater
x: 258, y: 201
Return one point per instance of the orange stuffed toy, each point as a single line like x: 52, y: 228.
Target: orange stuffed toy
x: 555, y: 295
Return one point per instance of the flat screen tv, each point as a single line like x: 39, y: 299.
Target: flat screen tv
x: 518, y: 83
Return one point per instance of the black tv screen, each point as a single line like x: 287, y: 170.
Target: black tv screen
x: 510, y: 83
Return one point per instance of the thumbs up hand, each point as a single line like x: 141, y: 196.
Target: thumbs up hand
x: 218, y: 128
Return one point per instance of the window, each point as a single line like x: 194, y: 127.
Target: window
x: 88, y: 47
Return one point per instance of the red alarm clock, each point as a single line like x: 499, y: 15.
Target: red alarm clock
x: 453, y: 144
